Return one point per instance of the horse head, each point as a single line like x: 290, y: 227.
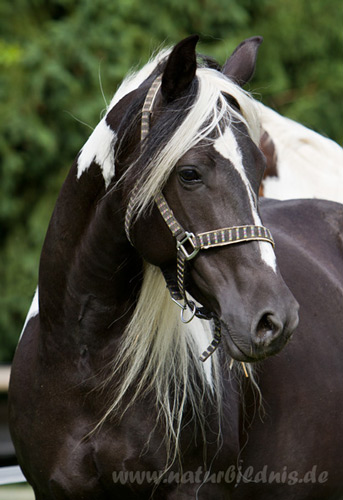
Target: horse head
x: 198, y: 150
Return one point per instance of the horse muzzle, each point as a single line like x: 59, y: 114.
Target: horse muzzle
x: 255, y: 337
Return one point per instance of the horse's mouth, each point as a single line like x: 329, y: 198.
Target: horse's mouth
x: 247, y: 352
x: 236, y: 352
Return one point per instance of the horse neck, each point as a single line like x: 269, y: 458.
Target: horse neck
x: 88, y: 269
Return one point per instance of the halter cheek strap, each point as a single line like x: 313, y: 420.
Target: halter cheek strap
x: 189, y: 244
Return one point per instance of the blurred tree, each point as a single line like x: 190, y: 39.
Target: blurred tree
x: 61, y: 61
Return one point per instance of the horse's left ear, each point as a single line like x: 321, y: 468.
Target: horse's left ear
x: 240, y: 66
x: 180, y: 69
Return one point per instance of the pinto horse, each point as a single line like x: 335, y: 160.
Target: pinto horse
x: 113, y: 395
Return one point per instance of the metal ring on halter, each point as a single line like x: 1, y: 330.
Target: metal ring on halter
x: 191, y: 305
x: 193, y: 312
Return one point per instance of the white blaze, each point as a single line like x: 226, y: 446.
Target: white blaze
x: 227, y: 146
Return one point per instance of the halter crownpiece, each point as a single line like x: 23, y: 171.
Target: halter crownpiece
x: 189, y: 244
x: 148, y: 106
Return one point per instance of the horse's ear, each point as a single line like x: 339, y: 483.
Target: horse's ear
x: 240, y: 66
x: 180, y: 69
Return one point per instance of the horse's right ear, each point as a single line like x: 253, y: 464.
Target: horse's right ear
x: 180, y: 69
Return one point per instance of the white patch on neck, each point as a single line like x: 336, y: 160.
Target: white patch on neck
x: 100, y: 145
x: 99, y: 148
x: 33, y: 311
x: 227, y: 146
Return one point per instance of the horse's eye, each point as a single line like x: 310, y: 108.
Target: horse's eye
x: 189, y: 175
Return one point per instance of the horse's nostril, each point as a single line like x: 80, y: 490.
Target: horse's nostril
x: 267, y: 328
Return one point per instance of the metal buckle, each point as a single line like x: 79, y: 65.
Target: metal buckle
x: 180, y: 245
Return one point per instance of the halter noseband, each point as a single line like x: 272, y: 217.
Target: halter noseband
x: 187, y: 243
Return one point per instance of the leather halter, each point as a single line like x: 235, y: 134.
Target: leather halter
x: 187, y: 243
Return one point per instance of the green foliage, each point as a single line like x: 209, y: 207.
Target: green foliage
x: 55, y: 57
